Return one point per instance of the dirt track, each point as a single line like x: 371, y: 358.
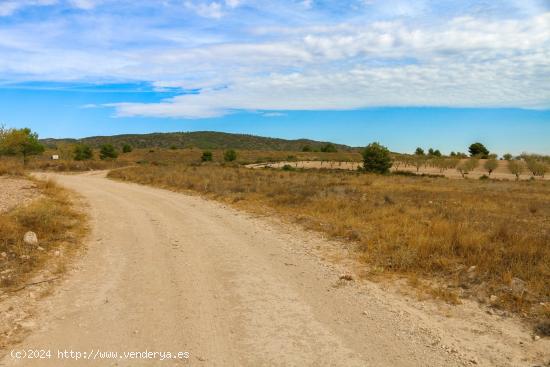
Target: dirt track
x: 170, y: 272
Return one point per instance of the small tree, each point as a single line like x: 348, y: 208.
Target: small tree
x: 478, y: 150
x: 206, y: 156
x: 22, y: 142
x: 419, y: 151
x: 108, y: 151
x: 418, y: 161
x: 507, y: 156
x: 229, y: 155
x: 536, y: 167
x: 127, y: 148
x: 377, y: 158
x: 490, y: 165
x: 516, y: 168
x: 437, y: 153
x: 82, y: 152
x: 467, y: 166
x: 306, y: 148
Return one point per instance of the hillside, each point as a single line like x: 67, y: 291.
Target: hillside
x: 198, y: 139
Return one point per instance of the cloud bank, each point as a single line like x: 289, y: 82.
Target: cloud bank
x: 244, y: 55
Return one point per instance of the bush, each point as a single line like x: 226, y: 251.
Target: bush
x: 206, y: 156
x: 307, y: 148
x: 377, y: 158
x: 328, y: 148
x: 127, y: 148
x: 229, y: 155
x: 288, y: 167
x: 82, y: 152
x: 108, y: 151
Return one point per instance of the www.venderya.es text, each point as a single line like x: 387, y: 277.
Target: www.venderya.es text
x: 96, y: 354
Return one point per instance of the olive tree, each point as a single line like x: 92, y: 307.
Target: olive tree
x: 490, y: 165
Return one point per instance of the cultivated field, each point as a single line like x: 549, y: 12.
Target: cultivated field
x: 500, y: 173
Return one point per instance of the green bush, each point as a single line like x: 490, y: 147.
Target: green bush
x: 108, y: 151
x: 377, y: 158
x: 229, y: 155
x: 206, y: 156
x: 127, y: 148
x: 82, y: 152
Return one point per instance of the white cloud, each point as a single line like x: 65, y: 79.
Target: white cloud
x: 84, y: 4
x: 9, y: 7
x: 206, y: 10
x: 466, y: 61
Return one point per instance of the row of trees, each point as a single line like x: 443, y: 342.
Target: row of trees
x: 378, y: 159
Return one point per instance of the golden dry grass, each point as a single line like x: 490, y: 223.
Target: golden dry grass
x: 58, y: 225
x: 433, y: 229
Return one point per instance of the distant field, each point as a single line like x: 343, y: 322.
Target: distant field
x: 501, y: 172
x: 457, y: 238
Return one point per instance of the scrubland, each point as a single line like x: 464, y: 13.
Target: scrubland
x: 482, y: 239
x: 58, y: 225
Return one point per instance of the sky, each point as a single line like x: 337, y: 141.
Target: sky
x: 439, y: 74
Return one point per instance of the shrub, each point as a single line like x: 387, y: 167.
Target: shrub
x: 108, y: 151
x: 328, y: 148
x: 229, y: 155
x: 206, y: 156
x: 288, y: 167
x: 82, y: 152
x: 306, y: 148
x: 377, y: 158
x: 127, y: 148
x: 507, y: 156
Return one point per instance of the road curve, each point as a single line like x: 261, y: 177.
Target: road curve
x: 171, y: 272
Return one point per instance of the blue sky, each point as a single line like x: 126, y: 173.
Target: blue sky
x: 405, y: 73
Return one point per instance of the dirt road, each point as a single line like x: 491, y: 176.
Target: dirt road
x: 170, y: 272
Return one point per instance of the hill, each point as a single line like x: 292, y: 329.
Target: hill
x: 198, y: 139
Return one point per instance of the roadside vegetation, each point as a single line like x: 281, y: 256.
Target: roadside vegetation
x: 58, y: 226
x: 457, y: 238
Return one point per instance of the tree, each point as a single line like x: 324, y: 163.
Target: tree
x: 107, y: 151
x: 82, y: 152
x: 206, y: 156
x: 437, y: 153
x: 507, y: 156
x: 490, y: 165
x: 229, y: 155
x: 419, y: 160
x: 419, y: 151
x: 478, y: 150
x: 467, y: 166
x: 329, y: 148
x: 515, y: 168
x: 535, y: 166
x: 377, y: 158
x: 306, y: 148
x: 22, y: 142
x: 127, y: 148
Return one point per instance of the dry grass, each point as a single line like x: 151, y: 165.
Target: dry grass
x: 59, y: 228
x: 420, y: 227
x: 11, y: 167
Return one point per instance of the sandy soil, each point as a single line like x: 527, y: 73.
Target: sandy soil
x: 171, y: 272
x: 500, y: 173
x: 16, y: 191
